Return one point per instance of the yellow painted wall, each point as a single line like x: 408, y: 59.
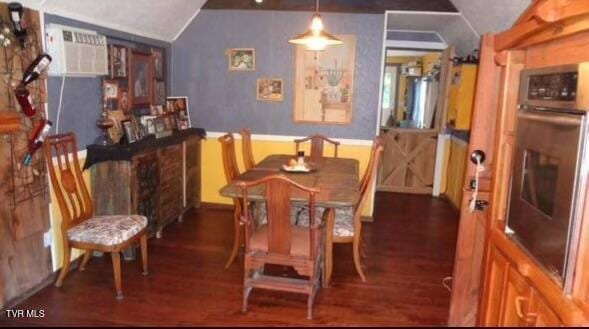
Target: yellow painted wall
x: 430, y: 60
x: 213, y: 178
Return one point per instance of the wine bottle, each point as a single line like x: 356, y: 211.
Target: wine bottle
x: 37, y: 67
x: 37, y: 141
x: 24, y: 100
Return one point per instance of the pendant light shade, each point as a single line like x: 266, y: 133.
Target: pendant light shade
x: 316, y: 38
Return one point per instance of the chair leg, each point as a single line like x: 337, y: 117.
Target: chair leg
x: 357, y: 261
x: 236, y: 238
x: 85, y: 260
x: 246, y: 295
x: 144, y: 254
x: 67, y: 251
x: 329, y: 247
x: 116, y: 266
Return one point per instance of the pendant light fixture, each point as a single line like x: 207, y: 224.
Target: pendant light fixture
x: 316, y: 38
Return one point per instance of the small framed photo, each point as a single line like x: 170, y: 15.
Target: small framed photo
x: 118, y: 63
x: 159, y: 125
x: 124, y: 103
x: 242, y: 59
x: 116, y: 131
x: 160, y: 93
x: 111, y: 93
x: 148, y: 123
x: 158, y: 63
x: 179, y: 106
x: 141, y: 79
x: 269, y: 89
x: 167, y: 122
x: 129, y: 131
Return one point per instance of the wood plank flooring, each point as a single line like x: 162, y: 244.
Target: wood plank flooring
x: 410, y: 248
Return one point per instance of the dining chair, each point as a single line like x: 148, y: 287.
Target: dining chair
x: 246, y: 145
x: 317, y: 143
x: 79, y: 229
x: 231, y: 172
x: 346, y: 223
x: 280, y: 242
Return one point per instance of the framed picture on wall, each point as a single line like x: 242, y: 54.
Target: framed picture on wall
x: 269, y: 89
x: 242, y: 59
x: 141, y: 79
x: 111, y: 94
x: 118, y: 63
x: 324, y: 85
x: 160, y: 93
x: 158, y: 63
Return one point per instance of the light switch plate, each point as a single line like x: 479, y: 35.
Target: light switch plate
x: 47, y: 238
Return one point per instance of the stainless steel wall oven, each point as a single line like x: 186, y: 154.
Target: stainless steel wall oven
x: 549, y: 166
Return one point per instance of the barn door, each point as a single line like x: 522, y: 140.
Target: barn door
x: 410, y: 155
x: 409, y: 159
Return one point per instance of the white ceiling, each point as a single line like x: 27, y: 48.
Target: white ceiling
x: 158, y: 19
x: 165, y: 19
x: 491, y: 15
x: 452, y: 27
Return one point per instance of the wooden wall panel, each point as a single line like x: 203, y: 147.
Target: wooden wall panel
x: 24, y: 197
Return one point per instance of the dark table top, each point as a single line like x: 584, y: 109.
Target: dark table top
x: 336, y: 178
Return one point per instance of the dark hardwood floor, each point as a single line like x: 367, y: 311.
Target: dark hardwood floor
x: 410, y: 249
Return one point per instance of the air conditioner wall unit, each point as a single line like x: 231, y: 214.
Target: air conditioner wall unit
x: 76, y: 52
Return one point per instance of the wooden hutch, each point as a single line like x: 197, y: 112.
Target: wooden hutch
x: 496, y: 282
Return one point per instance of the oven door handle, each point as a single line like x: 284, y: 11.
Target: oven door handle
x: 552, y: 118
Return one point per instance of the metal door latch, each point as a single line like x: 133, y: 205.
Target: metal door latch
x: 480, y: 205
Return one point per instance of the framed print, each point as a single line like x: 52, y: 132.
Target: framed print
x: 160, y: 93
x: 179, y: 106
x: 269, y: 89
x: 141, y: 79
x: 158, y: 63
x: 111, y: 93
x: 167, y: 122
x: 124, y: 103
x: 118, y: 63
x: 116, y: 132
x: 129, y: 131
x: 324, y: 83
x: 242, y: 59
x: 159, y: 125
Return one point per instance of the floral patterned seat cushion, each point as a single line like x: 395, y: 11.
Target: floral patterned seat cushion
x: 107, y: 230
x: 344, y: 220
x: 344, y: 217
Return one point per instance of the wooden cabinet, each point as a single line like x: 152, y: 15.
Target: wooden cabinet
x: 456, y: 171
x: 510, y: 299
x: 160, y: 182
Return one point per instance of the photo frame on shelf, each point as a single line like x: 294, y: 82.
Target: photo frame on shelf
x: 129, y: 131
x: 270, y: 89
x: 111, y: 92
x: 158, y: 63
x: 118, y: 61
x: 116, y: 131
x: 241, y: 59
x: 141, y: 79
x: 179, y: 106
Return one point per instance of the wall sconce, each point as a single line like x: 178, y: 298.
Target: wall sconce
x: 15, y: 11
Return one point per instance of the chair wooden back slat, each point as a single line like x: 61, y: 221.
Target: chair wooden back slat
x: 369, y: 175
x: 73, y: 197
x: 229, y: 159
x: 246, y: 145
x: 278, y: 202
x: 317, y: 143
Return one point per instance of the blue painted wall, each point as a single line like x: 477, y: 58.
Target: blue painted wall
x: 82, y: 97
x: 224, y: 101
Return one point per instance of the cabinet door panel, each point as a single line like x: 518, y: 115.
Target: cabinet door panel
x: 541, y: 312
x: 516, y: 301
x: 497, y: 268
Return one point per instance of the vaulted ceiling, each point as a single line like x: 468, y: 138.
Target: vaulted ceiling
x: 165, y: 19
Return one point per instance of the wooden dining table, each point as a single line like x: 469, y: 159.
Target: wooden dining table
x: 336, y: 178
